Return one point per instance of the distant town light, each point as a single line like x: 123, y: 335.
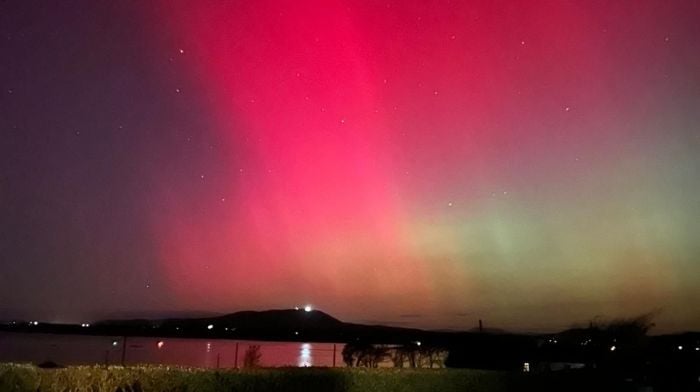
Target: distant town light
x: 160, y: 344
x: 526, y: 367
x: 418, y: 343
x: 85, y: 325
x: 296, y: 308
x: 114, y: 343
x: 612, y: 348
x: 210, y: 326
x: 307, y: 308
x: 697, y: 348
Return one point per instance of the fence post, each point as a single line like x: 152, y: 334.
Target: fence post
x: 333, y: 354
x: 235, y: 361
x: 124, y: 351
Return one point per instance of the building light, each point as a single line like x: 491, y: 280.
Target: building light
x: 526, y: 367
x: 210, y: 327
x: 114, y: 343
x: 680, y: 348
x: 612, y: 348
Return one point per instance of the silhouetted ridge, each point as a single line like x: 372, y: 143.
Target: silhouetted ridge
x: 285, y: 318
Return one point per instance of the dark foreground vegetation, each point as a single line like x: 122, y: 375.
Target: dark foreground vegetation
x: 21, y: 378
x: 612, y: 356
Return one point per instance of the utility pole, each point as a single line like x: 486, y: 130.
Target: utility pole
x: 333, y: 354
x: 235, y: 361
x: 124, y: 351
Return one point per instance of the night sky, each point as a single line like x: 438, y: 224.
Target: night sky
x: 534, y: 164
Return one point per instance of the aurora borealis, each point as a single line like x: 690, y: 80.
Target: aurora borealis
x: 429, y: 164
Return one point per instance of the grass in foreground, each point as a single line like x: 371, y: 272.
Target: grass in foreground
x: 21, y: 378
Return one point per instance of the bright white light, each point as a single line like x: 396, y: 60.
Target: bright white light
x: 612, y: 348
x: 307, y: 308
x: 680, y: 348
x: 114, y: 343
x: 160, y: 344
x: 210, y: 326
x: 526, y: 367
x: 418, y: 343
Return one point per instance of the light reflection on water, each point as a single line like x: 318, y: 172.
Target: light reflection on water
x: 76, y: 349
x: 305, y: 357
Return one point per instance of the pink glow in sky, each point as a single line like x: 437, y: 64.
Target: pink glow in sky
x: 532, y: 164
x: 529, y: 163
